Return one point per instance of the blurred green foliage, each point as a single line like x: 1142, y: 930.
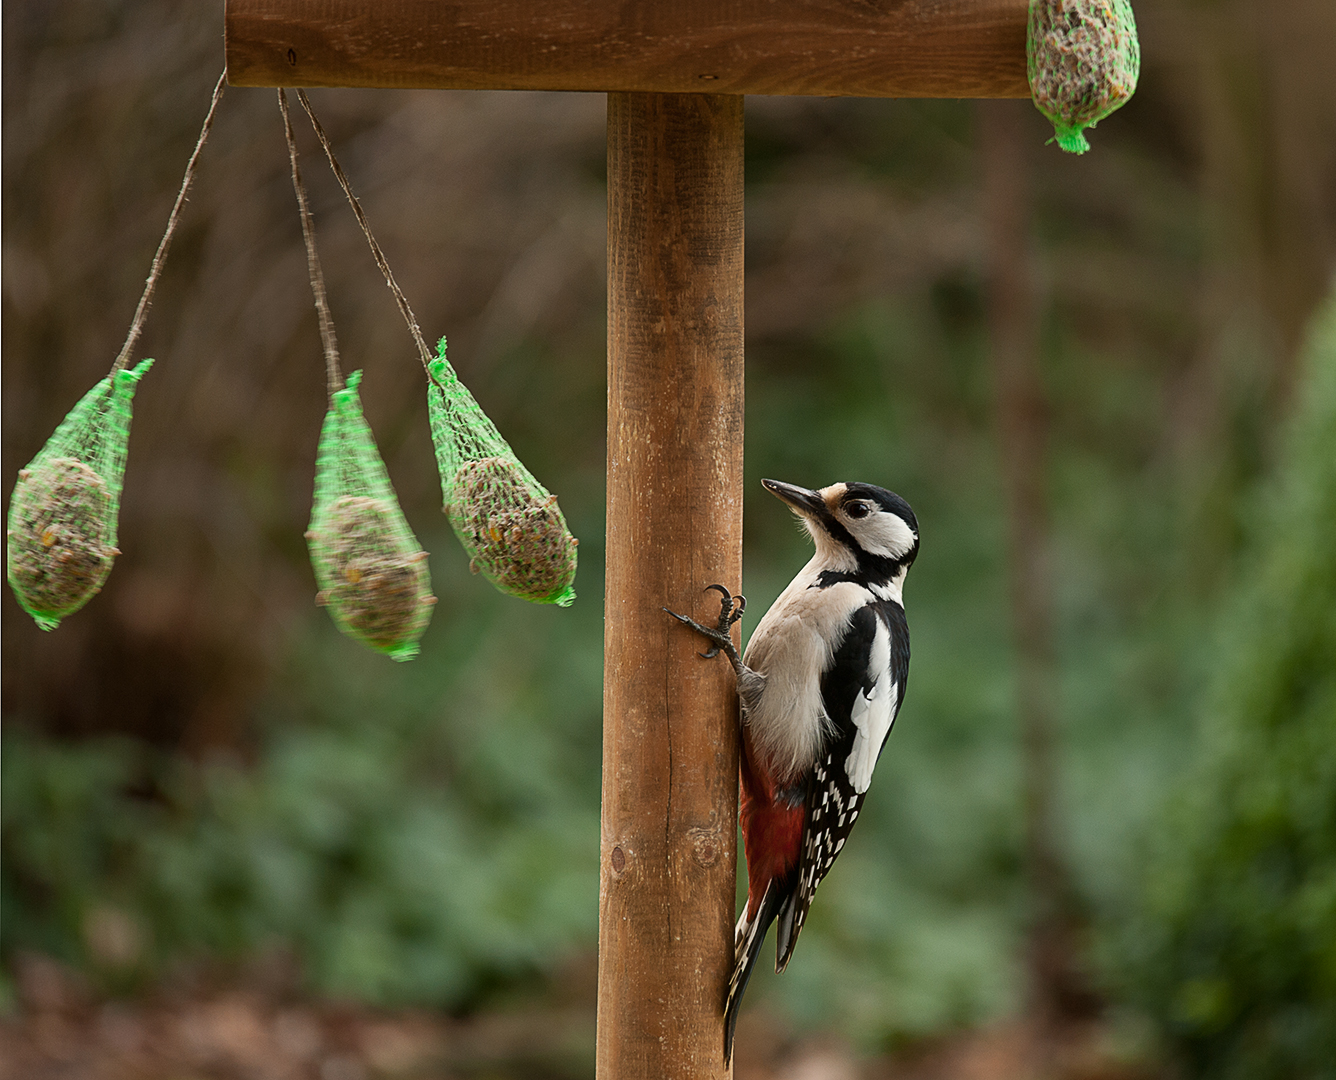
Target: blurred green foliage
x: 404, y: 860
x: 428, y: 832
x: 1234, y: 950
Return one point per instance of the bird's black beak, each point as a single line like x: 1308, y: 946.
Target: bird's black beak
x: 802, y: 499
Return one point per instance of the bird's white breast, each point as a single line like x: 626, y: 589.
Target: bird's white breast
x: 791, y: 646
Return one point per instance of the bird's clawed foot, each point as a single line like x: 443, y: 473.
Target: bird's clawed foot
x: 730, y: 611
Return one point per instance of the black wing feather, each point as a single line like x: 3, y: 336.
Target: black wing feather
x: 832, y: 803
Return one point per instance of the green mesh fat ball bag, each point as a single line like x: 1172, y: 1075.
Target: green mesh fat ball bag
x: 371, y: 571
x: 64, y: 510
x: 510, y: 525
x: 1083, y: 60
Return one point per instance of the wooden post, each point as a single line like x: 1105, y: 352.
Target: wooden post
x: 675, y: 397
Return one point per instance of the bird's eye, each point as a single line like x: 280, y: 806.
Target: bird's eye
x: 857, y: 510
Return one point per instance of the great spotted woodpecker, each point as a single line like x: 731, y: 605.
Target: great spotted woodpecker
x: 820, y: 685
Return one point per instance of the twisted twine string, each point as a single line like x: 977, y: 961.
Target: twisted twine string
x: 333, y: 374
x: 376, y: 253
x: 151, y: 283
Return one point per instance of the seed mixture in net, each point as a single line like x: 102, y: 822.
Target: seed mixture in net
x: 65, y: 507
x: 64, y: 511
x: 371, y: 571
x: 510, y: 525
x: 1083, y: 60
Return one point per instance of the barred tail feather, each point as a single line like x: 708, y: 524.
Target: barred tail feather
x: 786, y: 933
x: 792, y: 915
x: 750, y: 936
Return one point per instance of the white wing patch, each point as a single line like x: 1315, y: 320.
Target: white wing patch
x: 872, y: 713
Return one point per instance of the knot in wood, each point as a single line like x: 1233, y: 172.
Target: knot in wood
x: 705, y: 845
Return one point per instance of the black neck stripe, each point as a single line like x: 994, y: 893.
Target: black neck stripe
x: 872, y: 569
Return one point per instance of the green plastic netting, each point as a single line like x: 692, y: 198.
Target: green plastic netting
x: 64, y: 510
x: 510, y: 525
x: 370, y: 568
x: 1083, y: 60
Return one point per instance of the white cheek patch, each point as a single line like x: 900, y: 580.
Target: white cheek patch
x: 872, y: 714
x: 884, y: 534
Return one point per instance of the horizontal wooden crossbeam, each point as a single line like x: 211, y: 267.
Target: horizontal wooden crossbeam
x: 834, y: 48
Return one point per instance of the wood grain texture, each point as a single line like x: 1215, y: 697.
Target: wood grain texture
x: 670, y: 755
x: 837, y: 48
